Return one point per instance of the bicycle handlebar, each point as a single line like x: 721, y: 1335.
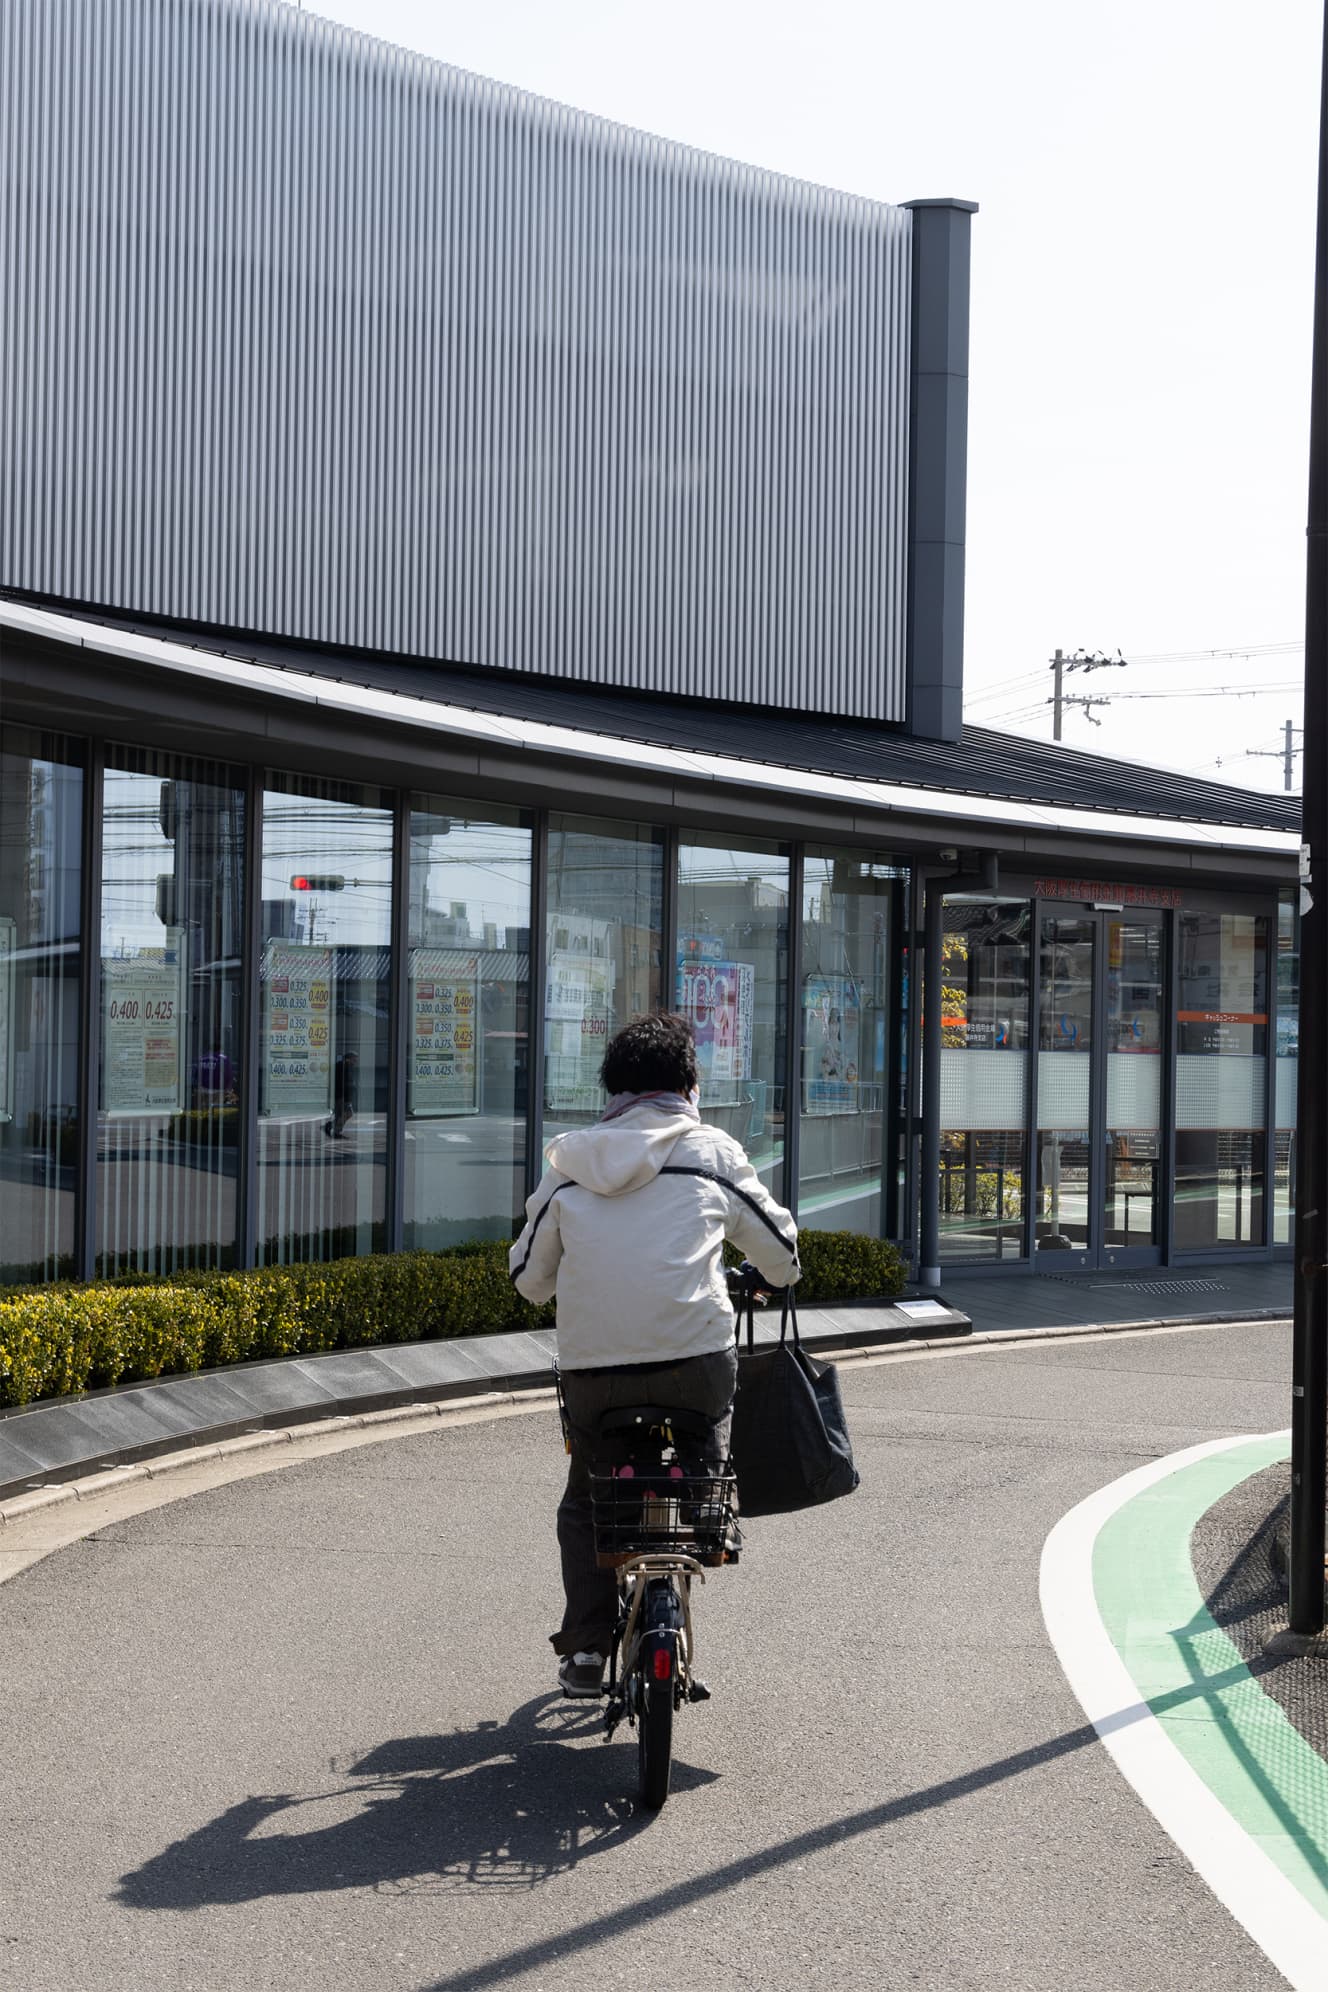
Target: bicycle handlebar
x: 748, y: 1280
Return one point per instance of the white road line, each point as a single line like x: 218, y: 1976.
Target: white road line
x: 1263, y: 1901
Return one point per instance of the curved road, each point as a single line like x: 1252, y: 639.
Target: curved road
x: 297, y: 1731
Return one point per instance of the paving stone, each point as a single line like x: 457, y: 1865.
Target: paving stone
x: 18, y: 1466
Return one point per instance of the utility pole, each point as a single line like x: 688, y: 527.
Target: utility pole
x: 1309, y: 1347
x: 1285, y: 754
x: 1082, y: 660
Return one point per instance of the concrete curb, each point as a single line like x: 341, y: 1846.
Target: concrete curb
x: 89, y: 1487
x: 47, y: 1446
x: 466, y: 1401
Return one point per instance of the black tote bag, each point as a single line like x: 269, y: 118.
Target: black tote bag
x: 790, y: 1439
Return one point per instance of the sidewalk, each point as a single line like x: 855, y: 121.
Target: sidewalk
x: 48, y: 1443
x: 44, y: 1444
x: 1213, y: 1291
x: 1240, y: 1560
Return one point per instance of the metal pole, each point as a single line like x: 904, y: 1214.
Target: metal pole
x: 929, y: 1227
x: 1309, y: 1372
x: 1057, y: 665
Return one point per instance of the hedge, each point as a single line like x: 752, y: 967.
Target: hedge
x: 56, y: 1340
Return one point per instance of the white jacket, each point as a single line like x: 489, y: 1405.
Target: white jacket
x: 626, y: 1228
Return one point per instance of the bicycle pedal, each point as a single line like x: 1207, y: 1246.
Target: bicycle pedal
x: 698, y: 1692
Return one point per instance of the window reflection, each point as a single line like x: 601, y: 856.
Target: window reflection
x: 1287, y: 1068
x: 41, y: 815
x: 171, y: 924
x: 985, y: 955
x: 605, y: 920
x: 732, y: 958
x: 468, y: 1020
x: 325, y: 987
x: 1221, y: 1038
x: 848, y: 901
x: 1065, y: 1034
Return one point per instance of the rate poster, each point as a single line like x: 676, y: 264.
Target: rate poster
x: 831, y: 1020
x: 718, y: 998
x: 297, y: 1028
x: 444, y: 1075
x: 142, y: 996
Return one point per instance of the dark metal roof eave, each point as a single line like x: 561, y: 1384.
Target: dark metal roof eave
x: 1038, y: 773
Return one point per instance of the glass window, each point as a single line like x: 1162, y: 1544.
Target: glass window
x: 172, y: 894
x: 985, y: 956
x: 468, y: 1009
x: 732, y: 971
x: 1135, y: 1010
x: 1065, y: 1042
x: 1221, y: 1076
x: 324, y: 1023
x: 41, y: 826
x: 1287, y: 1068
x: 605, y: 924
x: 847, y: 955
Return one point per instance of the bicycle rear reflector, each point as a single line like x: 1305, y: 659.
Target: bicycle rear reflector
x: 663, y: 1663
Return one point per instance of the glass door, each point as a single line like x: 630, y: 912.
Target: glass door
x: 1099, y: 1088
x: 1132, y: 1184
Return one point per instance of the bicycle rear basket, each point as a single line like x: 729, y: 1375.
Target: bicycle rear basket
x: 642, y: 1513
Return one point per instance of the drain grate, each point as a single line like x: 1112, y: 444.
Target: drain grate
x: 1166, y: 1286
x: 1137, y: 1286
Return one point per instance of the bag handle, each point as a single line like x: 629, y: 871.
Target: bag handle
x: 747, y: 1308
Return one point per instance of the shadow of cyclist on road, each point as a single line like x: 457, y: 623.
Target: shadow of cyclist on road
x: 500, y: 1805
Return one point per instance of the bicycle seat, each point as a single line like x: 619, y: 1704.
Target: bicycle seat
x: 639, y: 1417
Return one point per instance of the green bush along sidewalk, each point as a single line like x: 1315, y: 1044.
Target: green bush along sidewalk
x: 58, y: 1340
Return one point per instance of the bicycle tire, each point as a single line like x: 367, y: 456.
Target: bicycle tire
x: 654, y: 1722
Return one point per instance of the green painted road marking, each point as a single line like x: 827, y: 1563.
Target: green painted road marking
x: 1233, y: 1735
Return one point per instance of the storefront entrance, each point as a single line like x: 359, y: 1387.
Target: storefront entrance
x: 1101, y: 989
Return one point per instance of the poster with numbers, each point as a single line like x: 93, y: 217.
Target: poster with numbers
x: 7, y: 931
x: 444, y: 1072
x: 142, y: 1024
x: 297, y: 1028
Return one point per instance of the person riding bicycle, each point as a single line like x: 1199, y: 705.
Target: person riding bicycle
x: 627, y: 1228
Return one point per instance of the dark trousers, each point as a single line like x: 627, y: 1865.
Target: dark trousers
x: 701, y: 1383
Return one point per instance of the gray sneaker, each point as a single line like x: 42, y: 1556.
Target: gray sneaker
x: 581, y: 1674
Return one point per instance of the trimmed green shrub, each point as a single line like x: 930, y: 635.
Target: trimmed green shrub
x: 57, y: 1340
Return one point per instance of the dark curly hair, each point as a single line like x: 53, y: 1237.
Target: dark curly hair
x: 655, y: 1054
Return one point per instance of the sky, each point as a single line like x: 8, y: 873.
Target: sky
x: 1143, y: 265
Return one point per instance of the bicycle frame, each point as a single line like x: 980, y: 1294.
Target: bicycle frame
x: 635, y: 1577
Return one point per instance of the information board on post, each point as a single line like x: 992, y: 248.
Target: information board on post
x: 444, y: 1072
x: 143, y: 1014
x: 297, y: 1028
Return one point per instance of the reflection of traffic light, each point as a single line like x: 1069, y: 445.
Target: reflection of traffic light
x: 168, y: 911
x: 317, y: 882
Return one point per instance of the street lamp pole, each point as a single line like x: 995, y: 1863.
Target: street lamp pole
x: 1309, y: 1379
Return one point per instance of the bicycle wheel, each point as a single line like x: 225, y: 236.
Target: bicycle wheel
x: 654, y: 1721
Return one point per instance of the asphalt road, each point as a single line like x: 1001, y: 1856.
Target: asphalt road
x: 298, y: 1732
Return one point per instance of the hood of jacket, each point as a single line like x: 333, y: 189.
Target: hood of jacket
x: 613, y: 1157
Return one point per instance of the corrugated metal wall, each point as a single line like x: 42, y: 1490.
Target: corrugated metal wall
x: 304, y: 334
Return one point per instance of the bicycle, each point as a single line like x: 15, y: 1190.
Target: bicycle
x: 662, y: 1518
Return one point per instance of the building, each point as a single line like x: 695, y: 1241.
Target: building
x: 468, y: 573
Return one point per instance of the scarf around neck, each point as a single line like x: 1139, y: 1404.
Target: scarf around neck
x: 665, y: 1103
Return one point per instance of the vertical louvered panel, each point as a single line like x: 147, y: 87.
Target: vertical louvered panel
x: 308, y: 335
